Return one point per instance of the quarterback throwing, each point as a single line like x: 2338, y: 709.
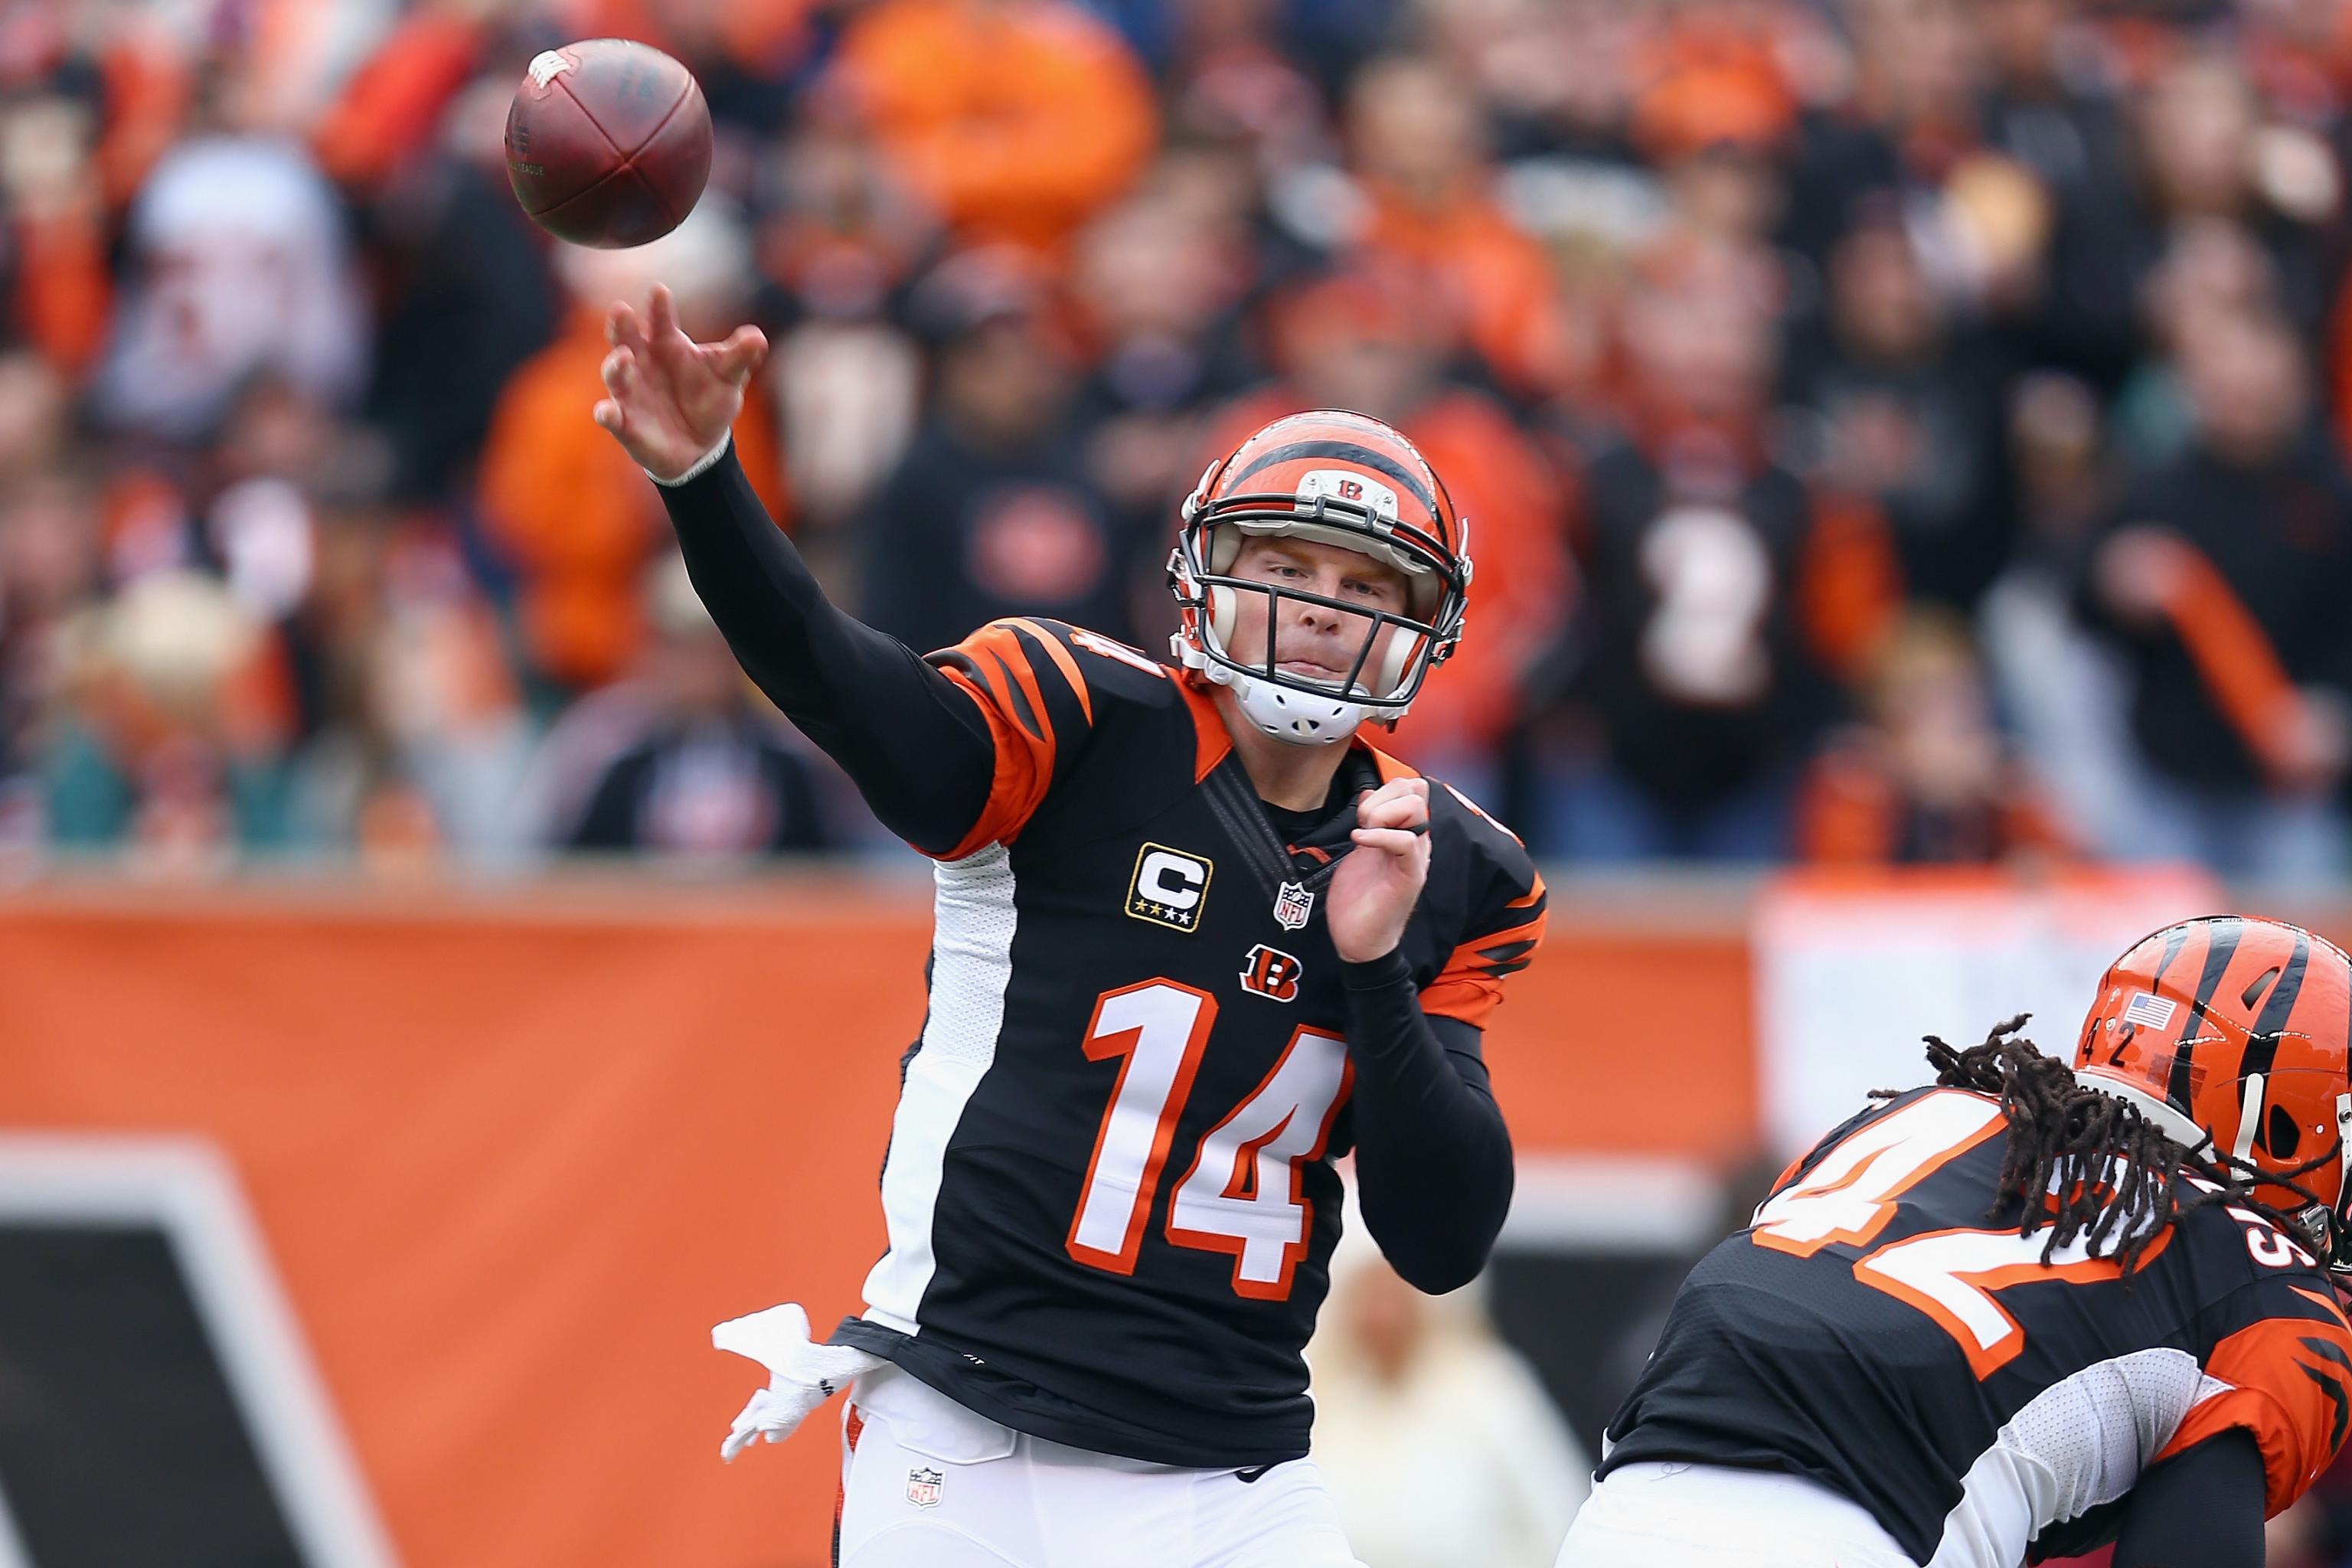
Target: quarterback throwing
x: 1195, y: 939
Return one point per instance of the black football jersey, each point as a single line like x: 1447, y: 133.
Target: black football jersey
x: 1110, y: 1188
x: 1885, y: 1329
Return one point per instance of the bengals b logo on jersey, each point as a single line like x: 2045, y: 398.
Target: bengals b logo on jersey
x: 1270, y: 971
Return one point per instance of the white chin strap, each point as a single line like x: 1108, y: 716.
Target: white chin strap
x: 1293, y: 717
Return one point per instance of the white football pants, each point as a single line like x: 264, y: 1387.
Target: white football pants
x: 1705, y: 1515
x: 926, y: 1483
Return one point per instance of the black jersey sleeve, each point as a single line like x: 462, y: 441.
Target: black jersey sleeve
x: 1433, y: 1155
x: 916, y: 745
x: 2202, y: 1506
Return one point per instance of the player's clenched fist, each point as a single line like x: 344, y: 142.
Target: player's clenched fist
x: 670, y: 399
x: 1376, y: 885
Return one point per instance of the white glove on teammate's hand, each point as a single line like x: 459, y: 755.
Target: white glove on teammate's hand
x: 801, y: 1375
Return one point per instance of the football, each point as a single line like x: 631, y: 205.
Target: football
x: 608, y: 142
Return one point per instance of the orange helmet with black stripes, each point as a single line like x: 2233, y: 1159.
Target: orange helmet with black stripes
x: 1340, y: 478
x: 2238, y: 1030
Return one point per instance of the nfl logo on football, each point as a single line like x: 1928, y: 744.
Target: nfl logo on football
x: 923, y: 1487
x: 1293, y: 905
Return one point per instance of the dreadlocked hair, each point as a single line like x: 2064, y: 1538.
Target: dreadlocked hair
x: 2089, y: 1165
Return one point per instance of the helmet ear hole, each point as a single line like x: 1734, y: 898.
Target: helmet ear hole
x: 2282, y: 1135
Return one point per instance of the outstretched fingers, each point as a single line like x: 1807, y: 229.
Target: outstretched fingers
x: 740, y: 355
x: 618, y: 372
x: 624, y: 328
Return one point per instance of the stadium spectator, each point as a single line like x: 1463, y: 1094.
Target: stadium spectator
x: 2208, y: 266
x: 1438, y: 1443
x: 169, y: 744
x: 416, y: 732
x: 1926, y: 778
x: 49, y: 571
x: 1698, y: 690
x: 1908, y: 409
x: 2222, y: 579
x: 683, y: 760
x: 2060, y: 688
x: 1159, y: 282
x: 2051, y: 105
x: 1556, y: 80
x: 240, y: 263
x: 392, y: 108
x: 1230, y: 72
x: 470, y: 293
x: 838, y: 239
x: 566, y: 507
x: 1016, y: 118
x: 60, y: 289
x: 1419, y: 147
x: 991, y: 512
x: 2208, y: 154
x: 1907, y: 124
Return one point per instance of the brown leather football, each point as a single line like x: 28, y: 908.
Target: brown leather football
x: 608, y: 142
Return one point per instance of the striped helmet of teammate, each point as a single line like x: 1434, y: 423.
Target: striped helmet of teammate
x: 2234, y: 1029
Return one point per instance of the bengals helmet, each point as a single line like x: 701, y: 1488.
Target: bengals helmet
x: 2236, y: 1029
x: 1338, y: 478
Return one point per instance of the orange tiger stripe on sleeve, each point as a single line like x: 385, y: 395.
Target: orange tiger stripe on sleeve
x: 2287, y: 1381
x: 1470, y: 986
x: 1062, y: 661
x: 1035, y: 700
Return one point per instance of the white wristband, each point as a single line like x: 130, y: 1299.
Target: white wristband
x: 702, y: 465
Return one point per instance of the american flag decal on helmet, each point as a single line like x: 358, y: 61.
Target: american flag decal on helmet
x: 2153, y: 1011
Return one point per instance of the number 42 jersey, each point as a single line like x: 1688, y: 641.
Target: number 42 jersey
x: 1110, y: 1190
x: 1884, y: 1330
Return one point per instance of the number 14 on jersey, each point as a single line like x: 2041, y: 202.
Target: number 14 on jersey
x: 1243, y: 1192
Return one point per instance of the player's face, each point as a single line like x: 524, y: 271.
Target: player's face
x: 1314, y: 641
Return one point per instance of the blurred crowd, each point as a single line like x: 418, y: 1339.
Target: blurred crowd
x: 1891, y: 430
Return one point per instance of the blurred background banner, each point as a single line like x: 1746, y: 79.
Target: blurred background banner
x: 163, y: 1405
x: 511, y: 1154
x: 1852, y: 969
x: 511, y: 1163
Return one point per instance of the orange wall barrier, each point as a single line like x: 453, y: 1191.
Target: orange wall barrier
x: 515, y: 1153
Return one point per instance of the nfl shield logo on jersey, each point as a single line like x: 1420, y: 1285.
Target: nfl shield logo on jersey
x: 923, y: 1487
x: 1293, y: 905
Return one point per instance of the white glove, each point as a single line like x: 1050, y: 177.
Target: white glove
x: 801, y: 1375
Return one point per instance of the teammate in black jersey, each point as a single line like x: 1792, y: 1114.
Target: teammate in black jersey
x: 1195, y: 939
x: 2024, y: 1311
